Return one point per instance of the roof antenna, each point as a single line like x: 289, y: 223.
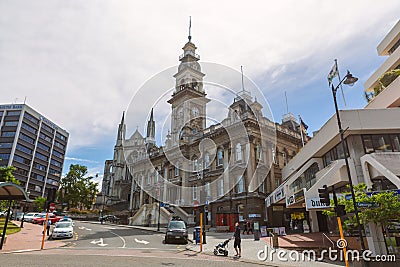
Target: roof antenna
x: 190, y: 27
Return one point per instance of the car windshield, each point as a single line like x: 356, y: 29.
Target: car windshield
x: 63, y: 225
x: 30, y: 214
x: 177, y: 225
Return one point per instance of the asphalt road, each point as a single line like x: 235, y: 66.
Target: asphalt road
x: 108, y: 245
x: 109, y: 236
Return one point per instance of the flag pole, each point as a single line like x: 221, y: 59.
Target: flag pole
x: 341, y: 88
x: 301, y: 131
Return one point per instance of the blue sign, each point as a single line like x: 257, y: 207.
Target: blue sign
x: 162, y: 204
x: 395, y: 191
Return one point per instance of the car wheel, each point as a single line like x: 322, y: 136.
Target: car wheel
x: 226, y: 253
x: 215, y: 252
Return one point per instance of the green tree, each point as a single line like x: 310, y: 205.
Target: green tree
x: 39, y: 204
x: 388, y: 210
x: 6, y: 175
x: 77, y: 190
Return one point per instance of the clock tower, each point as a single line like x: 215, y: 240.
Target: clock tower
x: 189, y: 98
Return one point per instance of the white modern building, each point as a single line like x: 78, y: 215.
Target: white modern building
x: 372, y: 136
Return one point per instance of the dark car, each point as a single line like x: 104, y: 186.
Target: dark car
x: 110, y: 218
x: 176, y: 231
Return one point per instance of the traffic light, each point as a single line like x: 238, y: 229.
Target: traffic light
x: 324, y: 195
x: 340, y: 211
x: 51, y: 195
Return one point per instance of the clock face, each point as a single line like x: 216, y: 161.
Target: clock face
x: 195, y: 111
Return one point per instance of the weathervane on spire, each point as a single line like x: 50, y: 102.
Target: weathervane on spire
x: 190, y: 27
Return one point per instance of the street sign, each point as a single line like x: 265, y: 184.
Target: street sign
x: 368, y: 205
x: 52, y: 206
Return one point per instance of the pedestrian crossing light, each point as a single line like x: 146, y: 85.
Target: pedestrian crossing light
x: 324, y: 195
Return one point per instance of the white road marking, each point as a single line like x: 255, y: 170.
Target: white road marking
x: 123, y: 240
x: 83, y: 227
x: 141, y: 241
x: 99, y: 242
x: 111, y: 228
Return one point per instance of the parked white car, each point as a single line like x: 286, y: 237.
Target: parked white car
x: 30, y: 216
x: 63, y: 230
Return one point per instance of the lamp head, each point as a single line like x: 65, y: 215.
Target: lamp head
x: 350, y: 79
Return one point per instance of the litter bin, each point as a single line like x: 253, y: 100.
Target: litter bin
x: 196, y: 234
x: 275, y: 243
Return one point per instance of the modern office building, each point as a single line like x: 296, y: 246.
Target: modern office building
x: 126, y: 184
x: 372, y: 137
x: 34, y: 145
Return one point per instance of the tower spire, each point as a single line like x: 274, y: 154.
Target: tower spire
x: 190, y: 28
x: 123, y: 117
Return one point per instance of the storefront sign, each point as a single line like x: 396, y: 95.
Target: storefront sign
x: 296, y: 197
x: 11, y: 106
x: 315, y: 203
x: 254, y: 215
x: 279, y: 195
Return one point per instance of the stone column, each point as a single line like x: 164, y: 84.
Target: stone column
x: 314, y: 221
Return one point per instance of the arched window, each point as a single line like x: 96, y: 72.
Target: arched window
x: 149, y: 178
x: 238, y: 152
x: 195, y: 164
x: 220, y: 157
x: 240, y: 185
x: 284, y: 157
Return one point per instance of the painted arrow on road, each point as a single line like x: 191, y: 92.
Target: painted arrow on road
x: 99, y: 242
x: 142, y: 241
x: 83, y: 227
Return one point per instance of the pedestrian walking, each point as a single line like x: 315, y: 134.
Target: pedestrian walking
x: 245, y: 226
x: 48, y: 227
x: 236, y: 244
x: 249, y: 227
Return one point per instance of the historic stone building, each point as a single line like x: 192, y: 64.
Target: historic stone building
x: 229, y: 167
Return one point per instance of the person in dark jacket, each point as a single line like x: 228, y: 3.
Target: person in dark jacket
x: 237, y: 242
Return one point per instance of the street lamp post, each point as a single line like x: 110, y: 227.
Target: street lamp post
x: 349, y: 80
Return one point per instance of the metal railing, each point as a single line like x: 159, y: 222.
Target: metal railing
x: 330, y: 240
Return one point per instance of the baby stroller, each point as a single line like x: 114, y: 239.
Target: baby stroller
x: 221, y: 248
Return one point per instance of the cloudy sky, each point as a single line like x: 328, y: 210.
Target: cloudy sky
x: 80, y: 62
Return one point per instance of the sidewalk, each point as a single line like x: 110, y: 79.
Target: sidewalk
x: 29, y: 238
x: 251, y: 248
